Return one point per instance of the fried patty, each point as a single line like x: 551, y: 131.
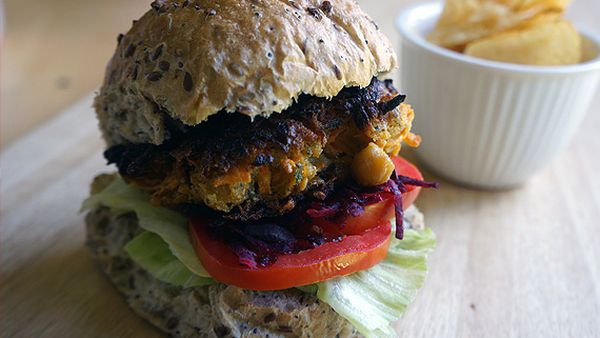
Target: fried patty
x: 253, y: 169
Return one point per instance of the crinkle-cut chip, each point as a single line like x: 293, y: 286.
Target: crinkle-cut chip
x: 463, y: 21
x: 550, y: 43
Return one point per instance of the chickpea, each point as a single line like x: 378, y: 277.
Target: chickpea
x: 372, y: 166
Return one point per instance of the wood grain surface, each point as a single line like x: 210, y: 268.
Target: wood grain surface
x: 53, y: 53
x: 521, y: 263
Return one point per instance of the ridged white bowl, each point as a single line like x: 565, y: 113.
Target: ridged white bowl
x: 489, y: 124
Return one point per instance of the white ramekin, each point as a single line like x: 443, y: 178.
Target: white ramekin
x: 489, y: 124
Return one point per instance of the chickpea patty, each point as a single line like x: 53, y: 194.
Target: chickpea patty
x: 253, y: 169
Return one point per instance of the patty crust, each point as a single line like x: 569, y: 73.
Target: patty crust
x: 253, y: 169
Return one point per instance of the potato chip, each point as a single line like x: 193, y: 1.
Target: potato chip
x: 549, y: 5
x: 463, y: 21
x: 545, y: 41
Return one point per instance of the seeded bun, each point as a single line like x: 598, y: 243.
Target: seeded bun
x: 192, y: 59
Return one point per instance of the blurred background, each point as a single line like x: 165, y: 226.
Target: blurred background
x: 54, y: 51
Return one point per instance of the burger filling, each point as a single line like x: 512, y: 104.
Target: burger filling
x: 248, y: 170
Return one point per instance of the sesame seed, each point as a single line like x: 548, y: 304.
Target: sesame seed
x: 159, y: 6
x: 164, y: 66
x: 338, y: 73
x: 188, y: 83
x: 375, y: 24
x: 270, y: 317
x: 285, y: 328
x: 314, y: 12
x: 130, y: 50
x: 157, y: 52
x: 134, y: 73
x: 326, y: 7
x: 154, y: 76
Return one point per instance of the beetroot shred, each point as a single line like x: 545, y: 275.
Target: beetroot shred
x: 353, y: 200
x: 259, y: 243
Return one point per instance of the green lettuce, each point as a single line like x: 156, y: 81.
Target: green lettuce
x: 371, y: 299
x: 152, y: 253
x: 168, y: 224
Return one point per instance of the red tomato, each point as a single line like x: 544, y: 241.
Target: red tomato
x: 365, y: 243
x: 351, y: 254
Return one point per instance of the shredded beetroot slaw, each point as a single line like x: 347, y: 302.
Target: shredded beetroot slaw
x: 353, y: 201
x: 259, y: 243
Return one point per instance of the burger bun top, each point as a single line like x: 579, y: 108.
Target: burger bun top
x: 193, y: 59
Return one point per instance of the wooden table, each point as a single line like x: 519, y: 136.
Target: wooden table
x: 54, y: 52
x: 523, y: 263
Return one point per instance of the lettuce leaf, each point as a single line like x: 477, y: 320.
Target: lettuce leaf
x: 371, y: 300
x: 168, y: 224
x: 152, y: 253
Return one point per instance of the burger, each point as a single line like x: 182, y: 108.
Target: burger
x: 259, y: 192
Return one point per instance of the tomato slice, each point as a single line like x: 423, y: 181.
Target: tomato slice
x: 364, y: 243
x: 351, y: 254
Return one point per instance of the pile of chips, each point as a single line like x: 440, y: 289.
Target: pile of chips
x: 517, y: 31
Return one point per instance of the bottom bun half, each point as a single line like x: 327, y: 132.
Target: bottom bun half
x: 210, y: 311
